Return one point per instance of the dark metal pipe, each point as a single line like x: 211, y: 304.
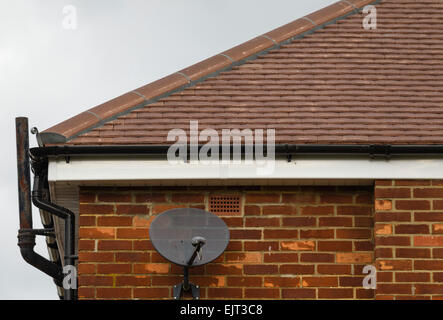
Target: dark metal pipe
x: 186, y: 283
x: 26, y: 234
x: 24, y: 173
x: 69, y: 219
x: 27, y: 243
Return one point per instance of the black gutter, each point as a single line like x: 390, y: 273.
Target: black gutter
x: 40, y: 198
x: 382, y: 150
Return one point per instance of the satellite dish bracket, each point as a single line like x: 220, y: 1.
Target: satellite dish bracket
x: 185, y: 286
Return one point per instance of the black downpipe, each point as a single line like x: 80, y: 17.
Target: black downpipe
x: 26, y: 234
x: 68, y: 217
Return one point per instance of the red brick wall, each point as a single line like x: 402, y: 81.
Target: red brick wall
x: 409, y: 239
x: 286, y: 243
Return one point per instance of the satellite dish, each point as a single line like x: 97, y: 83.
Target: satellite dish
x: 189, y: 237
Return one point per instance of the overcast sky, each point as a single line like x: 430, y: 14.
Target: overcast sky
x: 49, y: 74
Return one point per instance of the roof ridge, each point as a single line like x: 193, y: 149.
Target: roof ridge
x: 178, y: 81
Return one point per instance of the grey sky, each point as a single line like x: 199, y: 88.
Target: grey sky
x: 49, y: 74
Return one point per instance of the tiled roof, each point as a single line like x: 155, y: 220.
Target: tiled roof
x: 322, y: 79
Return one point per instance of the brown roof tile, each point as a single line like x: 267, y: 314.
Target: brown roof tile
x: 340, y: 84
x: 249, y: 48
x: 206, y: 67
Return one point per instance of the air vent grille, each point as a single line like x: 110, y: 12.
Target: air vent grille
x: 225, y: 204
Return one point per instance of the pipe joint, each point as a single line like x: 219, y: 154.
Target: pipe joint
x: 26, y: 238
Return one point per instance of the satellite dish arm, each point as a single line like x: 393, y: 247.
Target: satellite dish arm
x: 198, y: 243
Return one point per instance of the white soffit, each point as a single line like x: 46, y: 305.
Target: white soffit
x: 137, y: 170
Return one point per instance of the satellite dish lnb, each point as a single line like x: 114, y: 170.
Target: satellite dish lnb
x: 189, y: 237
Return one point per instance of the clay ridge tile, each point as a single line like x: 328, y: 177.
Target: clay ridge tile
x: 108, y: 111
